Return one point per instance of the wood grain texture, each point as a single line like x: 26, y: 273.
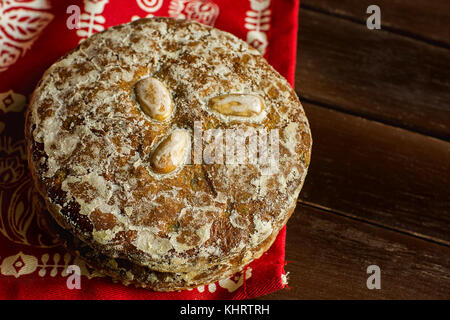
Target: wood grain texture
x: 377, y: 173
x: 375, y: 193
x: 328, y: 256
x: 374, y: 73
x: 428, y: 20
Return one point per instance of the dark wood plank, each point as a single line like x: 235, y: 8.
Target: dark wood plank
x: 377, y: 74
x: 428, y: 20
x: 378, y: 173
x: 328, y: 256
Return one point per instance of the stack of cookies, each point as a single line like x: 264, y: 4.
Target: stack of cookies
x: 169, y: 153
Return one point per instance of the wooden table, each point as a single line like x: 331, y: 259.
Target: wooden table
x: 378, y: 188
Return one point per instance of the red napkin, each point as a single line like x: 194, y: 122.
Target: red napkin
x: 35, y: 33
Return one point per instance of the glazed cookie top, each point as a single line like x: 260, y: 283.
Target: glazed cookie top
x: 114, y: 129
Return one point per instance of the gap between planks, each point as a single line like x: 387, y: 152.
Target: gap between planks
x: 344, y: 214
x: 364, y: 116
x: 378, y: 75
x: 379, y: 188
x: 328, y: 255
x: 385, y: 28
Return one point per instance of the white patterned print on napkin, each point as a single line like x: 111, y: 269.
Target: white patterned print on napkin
x: 21, y: 23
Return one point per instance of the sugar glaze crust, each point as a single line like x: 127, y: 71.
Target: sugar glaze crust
x: 89, y: 147
x: 131, y: 274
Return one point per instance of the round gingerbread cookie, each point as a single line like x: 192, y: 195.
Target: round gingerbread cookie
x: 168, y: 144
